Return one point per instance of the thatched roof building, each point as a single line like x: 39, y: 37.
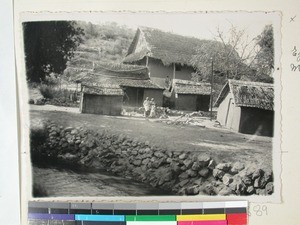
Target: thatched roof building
x: 247, y: 107
x: 165, y: 46
x: 190, y: 95
x: 130, y: 80
x: 249, y: 94
x: 191, y: 87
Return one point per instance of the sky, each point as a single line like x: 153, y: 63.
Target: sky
x: 199, y: 25
x: 202, y: 25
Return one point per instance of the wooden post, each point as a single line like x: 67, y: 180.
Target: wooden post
x: 211, y: 87
x: 147, y: 60
x: 174, y: 70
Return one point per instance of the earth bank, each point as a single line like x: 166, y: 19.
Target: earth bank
x: 180, y: 173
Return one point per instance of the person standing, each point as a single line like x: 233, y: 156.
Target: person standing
x: 153, y: 108
x: 147, y: 106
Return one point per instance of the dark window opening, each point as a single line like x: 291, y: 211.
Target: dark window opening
x: 178, y: 67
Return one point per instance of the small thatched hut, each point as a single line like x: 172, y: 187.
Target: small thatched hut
x: 247, y: 107
x: 105, y: 100
x: 191, y: 96
x: 133, y: 80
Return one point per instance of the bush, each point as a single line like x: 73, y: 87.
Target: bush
x: 47, y: 91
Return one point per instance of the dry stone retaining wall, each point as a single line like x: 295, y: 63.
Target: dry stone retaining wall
x: 186, y: 173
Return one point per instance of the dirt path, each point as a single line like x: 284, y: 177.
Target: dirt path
x: 223, y: 145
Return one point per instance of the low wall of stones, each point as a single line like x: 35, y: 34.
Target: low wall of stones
x: 185, y: 173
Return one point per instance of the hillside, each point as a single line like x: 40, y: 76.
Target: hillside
x: 103, y: 43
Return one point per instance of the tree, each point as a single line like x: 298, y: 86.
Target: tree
x: 48, y: 46
x: 264, y: 60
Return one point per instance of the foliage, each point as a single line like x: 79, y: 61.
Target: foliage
x: 264, y: 61
x: 53, y: 92
x: 48, y: 46
x: 106, y: 42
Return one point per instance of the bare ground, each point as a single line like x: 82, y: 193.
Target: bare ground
x: 223, y: 145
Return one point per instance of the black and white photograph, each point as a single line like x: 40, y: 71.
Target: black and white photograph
x: 152, y: 104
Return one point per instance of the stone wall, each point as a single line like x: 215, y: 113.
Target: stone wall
x: 186, y: 173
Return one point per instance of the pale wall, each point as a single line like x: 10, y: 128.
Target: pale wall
x: 159, y: 72
x: 234, y: 114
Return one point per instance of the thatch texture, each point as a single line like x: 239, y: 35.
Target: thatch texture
x: 121, y: 70
x: 103, y: 90
x: 191, y: 87
x: 249, y: 94
x: 119, y: 75
x: 166, y: 46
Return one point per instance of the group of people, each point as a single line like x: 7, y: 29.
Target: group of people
x: 149, y: 107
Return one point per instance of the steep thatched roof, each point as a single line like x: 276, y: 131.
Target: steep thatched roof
x: 191, y: 87
x: 121, y: 70
x: 166, y: 46
x: 249, y: 94
x: 103, y: 90
x: 95, y: 80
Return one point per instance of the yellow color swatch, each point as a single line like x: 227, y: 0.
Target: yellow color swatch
x: 201, y: 217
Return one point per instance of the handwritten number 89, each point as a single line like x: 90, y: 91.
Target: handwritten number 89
x: 259, y: 210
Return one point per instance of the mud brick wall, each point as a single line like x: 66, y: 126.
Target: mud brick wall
x: 185, y: 173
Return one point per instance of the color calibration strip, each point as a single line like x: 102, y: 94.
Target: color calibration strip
x: 186, y: 213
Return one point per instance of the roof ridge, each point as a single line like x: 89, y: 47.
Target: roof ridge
x: 254, y: 83
x: 112, y: 70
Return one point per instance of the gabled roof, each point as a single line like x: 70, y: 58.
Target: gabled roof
x: 249, y: 94
x: 191, y: 87
x: 166, y: 46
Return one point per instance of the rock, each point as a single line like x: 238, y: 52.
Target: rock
x: 204, y: 172
x: 237, y: 167
x: 204, y: 160
x: 137, y: 162
x: 198, y: 181
x: 74, y: 131
x: 194, y: 190
x: 269, y: 188
x: 134, y: 152
x: 260, y: 182
x: 182, y: 156
x: 241, y: 188
x: 157, y: 163
x: 209, y: 189
x: 169, y: 160
x: 196, y: 166
x: 218, y: 174
x: 224, y: 167
x: 225, y: 191
x: 187, y: 163
x: 211, y: 164
x: 183, y: 182
x: 158, y: 154
x: 250, y: 190
x: 68, y: 129
x: 174, y: 167
x: 183, y: 176
x: 165, y: 176
x: 268, y: 176
x: 227, y: 179
x: 257, y: 173
x: 247, y: 180
x: 192, y: 173
x: 146, y: 161
x: 260, y: 192
x: 31, y: 101
x: 147, y: 143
